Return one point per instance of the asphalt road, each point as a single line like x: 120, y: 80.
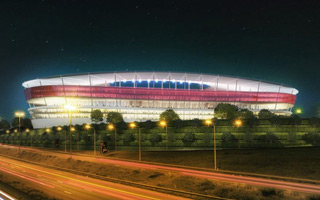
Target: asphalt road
x: 65, y: 185
x: 264, y: 182
x: 6, y: 196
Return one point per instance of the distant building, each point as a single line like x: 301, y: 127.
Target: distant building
x: 141, y: 96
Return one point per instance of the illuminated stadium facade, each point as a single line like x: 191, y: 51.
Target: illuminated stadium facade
x: 142, y: 96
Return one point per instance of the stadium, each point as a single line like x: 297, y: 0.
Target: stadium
x: 142, y: 96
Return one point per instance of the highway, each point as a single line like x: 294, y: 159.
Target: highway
x: 264, y: 182
x: 64, y: 185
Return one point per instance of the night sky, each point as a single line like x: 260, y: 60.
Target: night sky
x: 270, y: 40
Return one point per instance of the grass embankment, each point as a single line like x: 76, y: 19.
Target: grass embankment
x: 290, y: 162
x: 160, y: 178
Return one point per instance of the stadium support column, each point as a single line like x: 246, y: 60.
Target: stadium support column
x: 275, y: 107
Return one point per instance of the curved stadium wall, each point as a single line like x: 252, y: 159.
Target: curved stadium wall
x: 142, y: 96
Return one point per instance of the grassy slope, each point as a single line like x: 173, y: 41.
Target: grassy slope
x: 291, y: 162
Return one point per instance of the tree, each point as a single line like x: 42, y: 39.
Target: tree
x: 292, y: 137
x: 226, y: 111
x: 27, y: 123
x: 114, y: 117
x: 295, y: 120
x: 265, y: 114
x: 245, y: 114
x: 169, y: 115
x: 4, y: 124
x: 15, y: 122
x: 96, y: 116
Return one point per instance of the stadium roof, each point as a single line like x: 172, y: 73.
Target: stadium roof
x: 216, y: 82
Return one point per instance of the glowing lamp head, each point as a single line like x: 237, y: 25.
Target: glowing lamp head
x: 7, y: 131
x: 132, y: 125
x: 47, y: 130
x: 163, y: 123
x: 19, y: 114
x: 208, y: 122
x: 238, y: 123
x: 298, y: 111
x: 27, y: 130
x: 69, y: 107
x: 59, y: 128
x: 15, y: 130
x: 110, y: 126
x: 72, y: 129
x: 87, y: 126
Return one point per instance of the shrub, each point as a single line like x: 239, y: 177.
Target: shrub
x: 188, y: 138
x: 269, y: 138
x: 292, y: 137
x: 228, y: 138
x: 172, y: 137
x: 207, y: 137
x: 312, y: 138
x: 248, y: 137
x: 155, y: 138
x: 268, y: 192
x: 314, y: 198
x: 128, y: 137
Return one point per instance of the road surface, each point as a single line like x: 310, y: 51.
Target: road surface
x: 294, y: 186
x: 65, y: 185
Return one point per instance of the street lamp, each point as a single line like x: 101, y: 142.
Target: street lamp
x: 133, y: 125
x: 27, y: 131
x: 19, y: 114
x: 163, y: 123
x: 88, y: 126
x: 59, y: 128
x: 70, y: 108
x: 111, y: 127
x: 209, y: 122
x: 8, y: 132
x: 238, y: 123
x: 298, y: 111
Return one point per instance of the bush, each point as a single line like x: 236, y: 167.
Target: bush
x: 172, y: 137
x: 207, y: 137
x: 228, y: 139
x: 292, y: 137
x: 269, y: 138
x: 312, y: 138
x: 268, y: 192
x: 128, y: 137
x: 314, y: 198
x: 188, y: 138
x: 155, y: 138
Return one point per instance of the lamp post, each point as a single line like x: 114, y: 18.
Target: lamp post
x: 28, y: 131
x: 209, y: 122
x: 8, y: 132
x: 19, y: 115
x: 164, y: 124
x: 88, y: 126
x: 133, y: 125
x: 59, y: 128
x: 238, y: 123
x: 70, y: 108
x: 111, y: 127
